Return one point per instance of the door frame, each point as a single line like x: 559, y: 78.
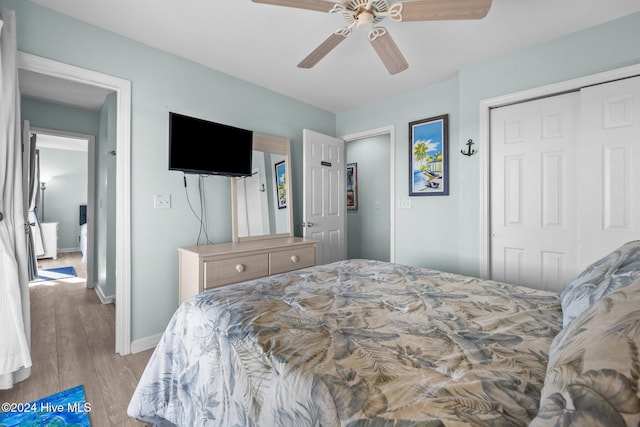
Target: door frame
x: 122, y: 89
x: 90, y: 189
x: 391, y: 131
x: 484, y: 139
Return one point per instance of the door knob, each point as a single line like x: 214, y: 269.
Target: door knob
x: 309, y: 224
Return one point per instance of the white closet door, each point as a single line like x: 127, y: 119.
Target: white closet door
x: 533, y: 192
x: 609, y: 173
x: 565, y: 182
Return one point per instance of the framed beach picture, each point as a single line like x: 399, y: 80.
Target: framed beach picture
x: 429, y: 157
x: 352, y: 186
x: 281, y: 184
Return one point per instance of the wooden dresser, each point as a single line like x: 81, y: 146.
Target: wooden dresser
x: 210, y: 266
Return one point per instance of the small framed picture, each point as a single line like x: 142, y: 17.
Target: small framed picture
x: 429, y: 157
x: 352, y: 186
x: 281, y: 184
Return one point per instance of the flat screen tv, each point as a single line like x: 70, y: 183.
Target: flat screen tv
x: 203, y: 147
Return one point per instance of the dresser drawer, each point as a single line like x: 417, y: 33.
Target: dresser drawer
x: 234, y: 270
x: 292, y: 259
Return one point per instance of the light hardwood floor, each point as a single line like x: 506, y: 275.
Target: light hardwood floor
x: 72, y: 343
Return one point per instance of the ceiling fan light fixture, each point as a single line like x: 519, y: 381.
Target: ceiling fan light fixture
x: 365, y: 20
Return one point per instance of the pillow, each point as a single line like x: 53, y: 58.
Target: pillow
x: 614, y: 271
x: 594, y: 366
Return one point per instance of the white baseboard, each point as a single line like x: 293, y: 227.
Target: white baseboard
x: 145, y: 343
x: 66, y: 250
x: 103, y: 298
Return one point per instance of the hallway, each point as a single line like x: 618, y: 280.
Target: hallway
x: 72, y: 343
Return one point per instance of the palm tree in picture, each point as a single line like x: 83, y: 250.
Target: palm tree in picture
x: 421, y: 151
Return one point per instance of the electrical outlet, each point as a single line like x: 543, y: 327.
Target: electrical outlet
x: 162, y: 201
x: 404, y: 204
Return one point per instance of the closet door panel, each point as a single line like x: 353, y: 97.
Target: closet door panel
x: 609, y: 172
x: 533, y: 203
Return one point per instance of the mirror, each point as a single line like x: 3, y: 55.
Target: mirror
x: 261, y: 205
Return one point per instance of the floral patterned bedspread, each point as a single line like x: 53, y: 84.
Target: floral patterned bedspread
x: 353, y: 343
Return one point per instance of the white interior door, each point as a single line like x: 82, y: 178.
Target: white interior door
x: 609, y: 158
x: 533, y: 197
x: 324, y: 209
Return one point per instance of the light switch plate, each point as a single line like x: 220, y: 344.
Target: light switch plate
x: 405, y: 204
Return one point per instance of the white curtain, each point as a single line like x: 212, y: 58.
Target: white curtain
x: 15, y: 357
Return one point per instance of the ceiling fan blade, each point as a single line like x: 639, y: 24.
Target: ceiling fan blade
x: 434, y: 10
x: 387, y: 50
x: 321, y: 51
x: 318, y: 5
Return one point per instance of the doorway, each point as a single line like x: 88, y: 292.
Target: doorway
x: 63, y: 192
x: 88, y: 81
x: 368, y: 203
x: 318, y: 177
x: 387, y: 136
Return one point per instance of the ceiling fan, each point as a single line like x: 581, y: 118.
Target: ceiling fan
x: 366, y: 14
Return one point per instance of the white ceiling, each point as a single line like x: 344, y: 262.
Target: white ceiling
x: 263, y: 44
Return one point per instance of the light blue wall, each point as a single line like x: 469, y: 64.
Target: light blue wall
x: 161, y: 83
x: 59, y: 117
x: 451, y: 224
x: 368, y: 227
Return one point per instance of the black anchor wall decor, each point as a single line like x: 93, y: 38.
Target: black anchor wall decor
x: 469, y: 151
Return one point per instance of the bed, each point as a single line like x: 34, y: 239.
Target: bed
x: 368, y: 343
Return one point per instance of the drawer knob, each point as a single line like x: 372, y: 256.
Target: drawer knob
x: 240, y: 268
x: 294, y: 258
